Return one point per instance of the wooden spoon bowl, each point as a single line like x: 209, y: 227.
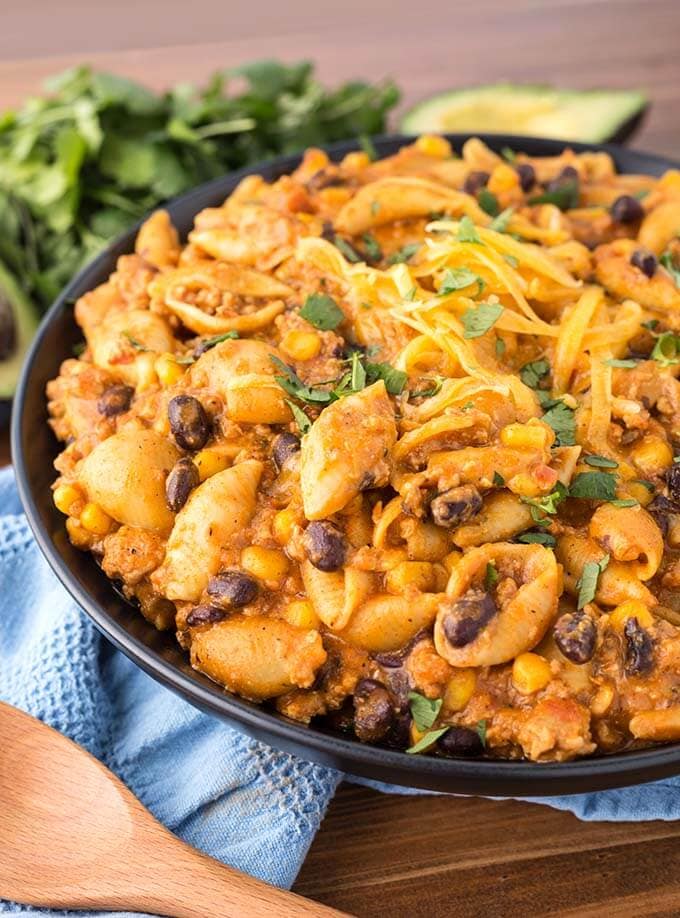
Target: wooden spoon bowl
x: 73, y: 836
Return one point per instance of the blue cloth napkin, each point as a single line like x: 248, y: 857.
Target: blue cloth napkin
x: 233, y: 797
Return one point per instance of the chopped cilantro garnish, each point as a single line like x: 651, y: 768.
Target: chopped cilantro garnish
x: 372, y: 247
x: 626, y: 363
x: 404, y: 254
x: 426, y: 741
x: 478, y: 321
x: 291, y: 383
x: 394, y: 379
x: 424, y: 711
x: 321, y: 311
x: 587, y: 585
x: 481, y: 732
x: 650, y: 324
x: 433, y: 389
x: 137, y: 345
x: 459, y: 279
x: 490, y: 576
x: 301, y: 418
x: 500, y: 347
x: 537, y: 538
x: 368, y: 147
x: 667, y: 261
x: 542, y: 507
x: 645, y: 484
x: 564, y: 197
x: 601, y: 462
x: 346, y: 249
x: 498, y: 480
x: 563, y: 421
x: 532, y: 374
x: 624, y: 502
x: 593, y: 486
x: 488, y: 201
x: 500, y: 223
x: 509, y: 155
x: 467, y: 231
x: 667, y: 349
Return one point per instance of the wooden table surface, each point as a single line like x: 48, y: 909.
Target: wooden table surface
x: 377, y: 854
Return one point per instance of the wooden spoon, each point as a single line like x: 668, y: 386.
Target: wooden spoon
x: 73, y: 836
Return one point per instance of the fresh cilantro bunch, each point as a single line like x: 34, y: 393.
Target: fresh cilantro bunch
x: 80, y: 165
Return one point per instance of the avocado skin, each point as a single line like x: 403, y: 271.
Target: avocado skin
x: 415, y: 120
x: 26, y: 322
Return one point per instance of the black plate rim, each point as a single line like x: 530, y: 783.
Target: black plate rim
x: 488, y: 776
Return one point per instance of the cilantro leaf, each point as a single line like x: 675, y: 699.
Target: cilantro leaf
x: 404, y: 254
x: 321, y: 311
x: 667, y: 349
x: 488, y: 201
x: 426, y: 741
x: 346, y: 249
x: 509, y: 155
x: 372, y: 247
x: 458, y: 279
x: 593, y: 486
x: 667, y: 261
x: 490, y: 576
x: 394, y: 379
x: 565, y: 196
x: 436, y: 386
x: 500, y: 223
x: 478, y: 321
x: 542, y: 507
x: 424, y: 711
x: 626, y: 363
x: 624, y: 502
x: 291, y: 383
x: 481, y: 731
x: 137, y: 345
x: 587, y: 585
x: 650, y: 324
x: 537, y: 538
x: 562, y: 419
x: 532, y: 374
x: 357, y: 373
x: 467, y: 231
x: 498, y: 480
x: 601, y: 462
x: 301, y: 418
x: 209, y: 343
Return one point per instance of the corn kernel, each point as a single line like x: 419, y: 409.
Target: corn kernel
x: 433, y: 145
x: 65, y: 496
x: 301, y: 613
x: 452, y: 559
x: 637, y: 491
x: 419, y: 574
x: 530, y: 673
x: 79, y: 537
x: 632, y: 608
x: 503, y: 178
x: 168, y: 370
x: 210, y: 461
x: 301, y: 345
x: 652, y: 455
x: 94, y: 519
x: 356, y: 161
x: 527, y: 436
x: 460, y: 689
x: 264, y: 563
x: 283, y: 525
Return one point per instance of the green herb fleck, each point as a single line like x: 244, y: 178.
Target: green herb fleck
x: 424, y: 711
x: 667, y: 261
x: 601, y: 462
x: 490, y: 576
x: 624, y: 502
x: 368, y: 147
x: 79, y: 348
x: 509, y: 154
x: 537, y: 538
x: 650, y: 324
x: 404, y: 254
x: 532, y: 374
x: 542, y: 507
x: 426, y: 741
x: 488, y: 201
x: 667, y: 349
x: 358, y: 373
x: 372, y: 247
x: 346, y: 249
x: 301, y: 418
x: 622, y: 364
x: 565, y: 196
x: 433, y: 389
x: 562, y: 419
x: 593, y: 486
x: 645, y: 484
x: 467, y: 231
x: 394, y: 379
x: 458, y: 279
x: 137, y: 345
x: 498, y: 480
x: 321, y: 311
x: 587, y: 585
x: 500, y: 347
x: 500, y: 223
x: 478, y: 321
x: 481, y: 732
x: 209, y: 343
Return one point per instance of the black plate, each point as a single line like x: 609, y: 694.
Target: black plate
x: 34, y: 448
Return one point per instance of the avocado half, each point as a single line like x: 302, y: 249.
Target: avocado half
x: 18, y: 322
x: 591, y: 116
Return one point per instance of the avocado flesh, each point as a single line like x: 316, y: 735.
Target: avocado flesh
x: 18, y: 322
x: 538, y: 111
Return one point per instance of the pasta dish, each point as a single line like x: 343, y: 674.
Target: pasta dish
x: 389, y: 445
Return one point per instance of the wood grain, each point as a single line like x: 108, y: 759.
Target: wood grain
x: 375, y: 853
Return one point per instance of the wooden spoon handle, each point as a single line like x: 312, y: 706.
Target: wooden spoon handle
x: 192, y: 885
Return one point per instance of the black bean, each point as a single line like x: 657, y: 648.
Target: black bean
x: 283, y: 447
x: 475, y: 181
x: 460, y: 742
x: 567, y: 177
x: 527, y: 176
x: 575, y: 635
x: 116, y: 400
x: 645, y: 261
x: 325, y: 545
x: 373, y: 711
x: 467, y: 617
x: 179, y: 484
x: 453, y: 507
x: 233, y: 588
x: 639, y: 652
x: 205, y: 615
x: 626, y: 209
x: 188, y: 422
x: 673, y: 482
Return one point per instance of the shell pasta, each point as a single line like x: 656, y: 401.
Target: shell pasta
x: 392, y: 444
